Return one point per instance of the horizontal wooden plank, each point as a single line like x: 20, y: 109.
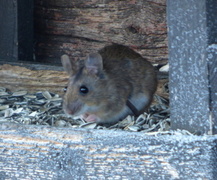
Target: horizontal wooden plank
x: 30, y: 152
x: 20, y: 78
x: 96, y: 3
x: 52, y: 47
x: 80, y: 27
x: 39, y: 77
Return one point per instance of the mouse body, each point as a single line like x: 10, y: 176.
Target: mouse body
x: 101, y: 86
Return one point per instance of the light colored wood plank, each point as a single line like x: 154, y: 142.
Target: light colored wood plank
x: 53, y: 79
x: 30, y: 152
x: 20, y: 78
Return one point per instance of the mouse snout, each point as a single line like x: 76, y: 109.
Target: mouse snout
x: 72, y: 108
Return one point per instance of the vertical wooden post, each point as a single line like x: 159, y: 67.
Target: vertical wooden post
x: 212, y: 59
x: 8, y: 30
x: 192, y: 28
x: 25, y: 29
x: 212, y: 66
x: 16, y: 30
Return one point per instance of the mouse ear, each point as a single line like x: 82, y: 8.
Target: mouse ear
x: 67, y: 64
x: 94, y: 63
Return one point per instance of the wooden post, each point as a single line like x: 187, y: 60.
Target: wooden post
x: 16, y: 31
x: 25, y: 29
x: 192, y: 28
x: 8, y: 35
x: 212, y: 59
x: 212, y: 66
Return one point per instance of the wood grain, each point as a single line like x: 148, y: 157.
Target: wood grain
x: 39, y: 152
x: 16, y: 32
x: 80, y: 27
x: 20, y: 78
x: 212, y: 68
x: 189, y: 81
x: 38, y: 77
x: 8, y: 30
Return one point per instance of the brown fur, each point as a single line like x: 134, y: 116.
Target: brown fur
x: 114, y: 75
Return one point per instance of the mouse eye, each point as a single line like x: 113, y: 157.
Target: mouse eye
x: 65, y: 89
x: 83, y: 90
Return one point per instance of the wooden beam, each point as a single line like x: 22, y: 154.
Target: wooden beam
x: 189, y: 36
x: 212, y: 60
x: 40, y: 152
x: 80, y: 27
x: 8, y: 34
x: 212, y: 66
x: 16, y: 32
x: 25, y: 29
x: 34, y: 78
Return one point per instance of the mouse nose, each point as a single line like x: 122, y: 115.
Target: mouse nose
x: 72, y: 108
x: 68, y: 111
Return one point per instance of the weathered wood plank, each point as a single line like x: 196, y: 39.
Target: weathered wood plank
x: 29, y: 152
x: 212, y: 59
x: 189, y: 82
x: 79, y: 27
x: 20, y: 78
x: 211, y: 21
x: 212, y: 66
x: 8, y: 34
x: 25, y: 29
x: 39, y: 77
x: 16, y: 32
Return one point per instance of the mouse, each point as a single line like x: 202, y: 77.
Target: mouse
x: 108, y: 85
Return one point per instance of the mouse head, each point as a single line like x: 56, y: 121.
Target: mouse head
x: 86, y: 87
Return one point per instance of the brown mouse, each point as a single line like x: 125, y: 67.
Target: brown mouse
x: 109, y: 85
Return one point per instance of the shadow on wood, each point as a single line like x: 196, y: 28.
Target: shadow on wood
x: 16, y: 32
